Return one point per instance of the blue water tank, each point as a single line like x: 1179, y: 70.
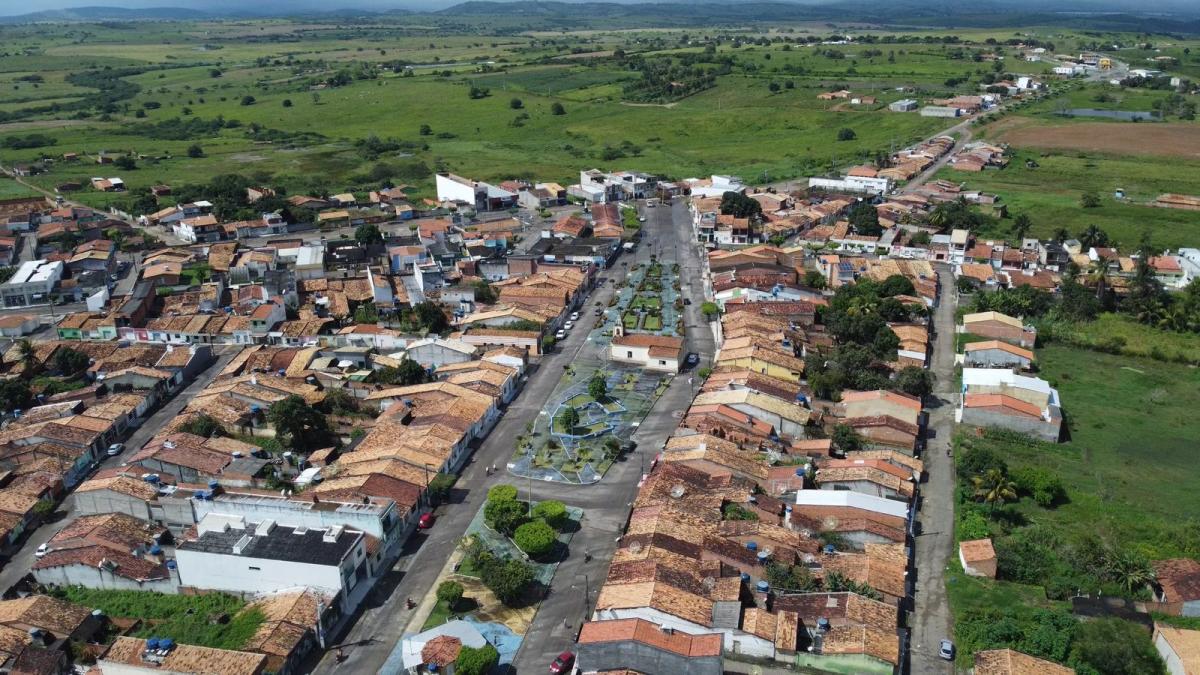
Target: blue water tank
x: 745, y: 576
x: 763, y: 587
x: 155, y: 549
x: 213, y: 484
x: 171, y: 564
x: 829, y: 549
x: 152, y: 643
x: 752, y: 545
x: 800, y: 471
x: 822, y: 624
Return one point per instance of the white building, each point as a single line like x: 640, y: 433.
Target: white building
x: 852, y: 499
x: 433, y: 352
x: 903, y: 105
x: 479, y: 195
x: 863, y: 184
x: 310, y: 262
x: 32, y: 283
x: 233, y: 555
x: 652, y: 352
x: 940, y: 111
x: 716, y: 186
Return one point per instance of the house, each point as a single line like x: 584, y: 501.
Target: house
x: 17, y: 325
x: 996, y: 354
x: 478, y: 195
x: 57, y: 621
x: 108, y: 551
x: 1011, y: 662
x: 903, y: 105
x: 434, y: 352
x: 940, y: 111
x: 1177, y: 580
x: 138, y: 656
x: 645, y: 647
x: 652, y: 352
x: 233, y: 555
x: 1003, y: 399
x: 999, y: 326
x: 32, y: 283
x: 978, y: 558
x: 1179, y: 648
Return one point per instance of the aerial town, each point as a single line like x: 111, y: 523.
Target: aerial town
x: 885, y: 416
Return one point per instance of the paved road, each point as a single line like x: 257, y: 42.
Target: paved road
x: 963, y: 129
x: 576, y: 584
x: 21, y: 562
x: 931, y: 611
x: 382, y: 624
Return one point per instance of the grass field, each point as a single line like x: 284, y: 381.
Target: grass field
x: 1132, y: 338
x: 188, y: 619
x: 1050, y: 194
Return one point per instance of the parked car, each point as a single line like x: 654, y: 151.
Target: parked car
x: 562, y: 663
x: 425, y: 521
x: 641, y: 219
x: 115, y: 449
x: 687, y: 301
x: 574, y: 316
x: 946, y: 650
x: 599, y: 311
x: 560, y: 334
x: 42, y: 550
x: 568, y: 325
x: 693, y: 358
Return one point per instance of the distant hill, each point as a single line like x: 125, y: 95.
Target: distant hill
x: 92, y: 14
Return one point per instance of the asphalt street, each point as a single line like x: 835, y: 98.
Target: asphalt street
x: 606, y: 504
x: 932, y: 620
x: 21, y: 562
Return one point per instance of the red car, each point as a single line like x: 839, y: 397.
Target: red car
x: 563, y: 663
x: 425, y: 522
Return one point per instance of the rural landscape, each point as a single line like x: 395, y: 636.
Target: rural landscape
x: 650, y: 337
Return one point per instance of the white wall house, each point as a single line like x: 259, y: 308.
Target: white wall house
x: 233, y: 555
x: 32, y: 283
x: 864, y: 184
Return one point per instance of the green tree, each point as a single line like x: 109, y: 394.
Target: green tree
x: 553, y: 512
x: 366, y: 313
x: 248, y: 100
x: 557, y: 108
x: 915, y: 381
x: 814, y: 279
x: 994, y: 488
x: 516, y: 104
x: 202, y: 425
x: 1021, y: 226
x: 70, y: 362
x: 426, y: 130
x: 598, y: 387
x: 439, y: 488
x: 502, y: 492
x: 710, y: 310
x: 367, y: 234
x: 14, y: 395
x: 774, y: 87
x: 27, y: 356
x: 1093, y: 237
x: 451, y: 593
x: 845, y: 439
x: 125, y: 163
x: 287, y: 102
x: 408, y: 373
x: 476, y: 661
x: 535, y: 538
x: 739, y: 205
x: 504, y: 516
x: 865, y: 219
x: 1114, y: 647
x: 1089, y: 200
x: 1130, y: 570
x: 484, y: 293
x: 195, y: 151
x: 846, y: 134
x: 305, y: 428
x: 568, y: 419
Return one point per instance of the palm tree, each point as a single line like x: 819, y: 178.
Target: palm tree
x: 994, y: 488
x: 1020, y: 227
x: 1061, y: 234
x: 1098, y: 276
x: 26, y: 355
x: 1093, y: 236
x: 1130, y: 570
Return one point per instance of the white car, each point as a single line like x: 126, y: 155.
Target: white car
x: 568, y: 325
x: 560, y: 334
x: 574, y: 316
x: 115, y: 449
x: 42, y: 550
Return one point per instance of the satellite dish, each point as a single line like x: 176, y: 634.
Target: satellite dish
x: 635, y: 547
x: 709, y: 583
x: 678, y: 491
x: 829, y: 523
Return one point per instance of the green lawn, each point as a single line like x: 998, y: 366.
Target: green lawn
x: 1117, y: 332
x: 1049, y: 195
x: 10, y: 188
x: 211, y: 620
x: 652, y: 322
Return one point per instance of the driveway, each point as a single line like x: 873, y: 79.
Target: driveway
x: 931, y: 618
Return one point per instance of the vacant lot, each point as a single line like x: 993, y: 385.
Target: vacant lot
x: 1118, y: 138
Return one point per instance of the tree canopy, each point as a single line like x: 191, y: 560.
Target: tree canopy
x: 305, y: 428
x: 739, y: 205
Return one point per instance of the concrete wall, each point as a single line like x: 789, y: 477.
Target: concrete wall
x: 239, y: 574
x: 995, y: 358
x: 94, y: 577
x: 97, y: 502
x: 1046, y: 431
x: 1175, y: 665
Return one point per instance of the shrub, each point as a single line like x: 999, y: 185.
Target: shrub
x: 502, y: 492
x: 450, y: 592
x: 1046, y: 488
x: 972, y: 525
x: 535, y: 538
x: 472, y: 661
x: 439, y: 487
x: 846, y: 134
x: 554, y: 513
x: 504, y: 515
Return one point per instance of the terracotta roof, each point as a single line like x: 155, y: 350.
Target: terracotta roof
x: 1014, y: 405
x: 1002, y: 346
x: 441, y: 650
x: 1010, y: 662
x: 188, y: 658
x: 650, y: 634
x: 977, y: 550
x: 992, y: 316
x: 1179, y: 579
x: 884, y: 395
x: 59, y: 617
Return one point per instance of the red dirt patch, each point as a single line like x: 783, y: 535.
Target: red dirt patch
x: 1118, y: 138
